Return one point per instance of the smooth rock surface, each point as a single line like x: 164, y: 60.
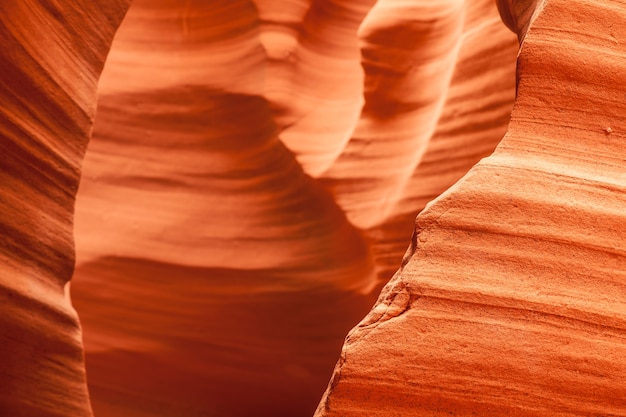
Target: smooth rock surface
x: 210, y: 267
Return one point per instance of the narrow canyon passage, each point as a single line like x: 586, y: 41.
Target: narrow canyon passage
x: 231, y: 187
x: 229, y: 228
x: 252, y: 178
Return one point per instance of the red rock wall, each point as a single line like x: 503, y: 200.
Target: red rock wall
x: 511, y: 300
x: 213, y: 275
x: 251, y: 182
x: 51, y: 55
x: 235, y: 215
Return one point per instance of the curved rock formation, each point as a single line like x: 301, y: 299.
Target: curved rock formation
x: 467, y: 129
x: 51, y: 55
x: 206, y: 255
x: 318, y: 101
x: 510, y: 300
x: 251, y: 182
x: 409, y: 51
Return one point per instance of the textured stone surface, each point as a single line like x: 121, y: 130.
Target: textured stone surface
x: 213, y: 244
x: 251, y: 183
x: 511, y: 299
x: 51, y: 54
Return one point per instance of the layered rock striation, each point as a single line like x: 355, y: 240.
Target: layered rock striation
x: 251, y: 182
x: 210, y: 266
x: 51, y: 55
x: 511, y: 297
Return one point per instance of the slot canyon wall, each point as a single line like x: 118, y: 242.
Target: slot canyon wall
x: 511, y: 297
x: 51, y: 56
x: 247, y: 188
x: 252, y: 180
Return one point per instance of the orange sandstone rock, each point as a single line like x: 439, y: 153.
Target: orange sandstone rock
x: 469, y: 126
x: 206, y: 256
x: 51, y: 55
x: 191, y: 203
x: 251, y: 180
x: 318, y: 103
x: 511, y: 297
x: 210, y: 267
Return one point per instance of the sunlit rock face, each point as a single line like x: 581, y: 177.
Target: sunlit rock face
x: 252, y: 179
x: 511, y: 297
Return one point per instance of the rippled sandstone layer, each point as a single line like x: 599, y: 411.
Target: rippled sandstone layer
x: 251, y: 182
x: 225, y: 241
x: 511, y: 297
x: 51, y: 55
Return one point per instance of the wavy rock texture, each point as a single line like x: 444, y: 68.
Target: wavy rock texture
x: 213, y: 276
x: 511, y: 300
x: 469, y: 125
x: 318, y: 94
x: 251, y: 181
x: 225, y: 245
x: 51, y: 55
